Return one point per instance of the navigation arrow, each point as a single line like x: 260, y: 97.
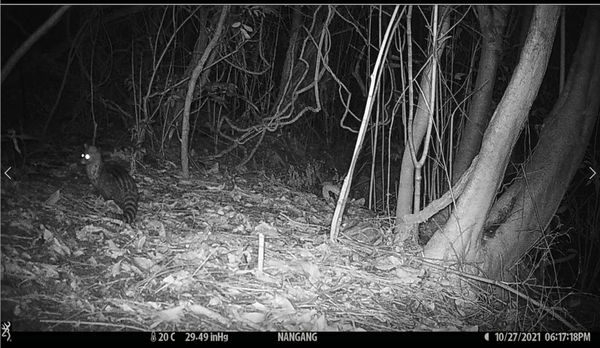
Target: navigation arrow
x: 593, y: 171
x: 6, y: 173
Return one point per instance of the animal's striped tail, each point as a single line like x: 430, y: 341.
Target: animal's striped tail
x: 129, y: 207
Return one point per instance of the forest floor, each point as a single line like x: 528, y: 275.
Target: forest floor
x: 190, y: 261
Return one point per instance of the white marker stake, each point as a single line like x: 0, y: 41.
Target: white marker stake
x: 261, y: 251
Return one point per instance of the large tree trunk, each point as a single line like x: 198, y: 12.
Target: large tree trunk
x: 526, y: 208
x: 460, y: 237
x: 492, y: 21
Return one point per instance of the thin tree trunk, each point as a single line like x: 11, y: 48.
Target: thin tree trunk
x: 407, y: 172
x: 288, y: 64
x: 185, y: 123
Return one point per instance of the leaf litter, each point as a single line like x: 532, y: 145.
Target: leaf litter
x: 190, y: 261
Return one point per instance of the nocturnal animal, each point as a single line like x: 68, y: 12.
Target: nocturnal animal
x: 112, y: 181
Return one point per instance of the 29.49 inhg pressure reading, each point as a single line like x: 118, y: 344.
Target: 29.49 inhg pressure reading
x: 189, y: 336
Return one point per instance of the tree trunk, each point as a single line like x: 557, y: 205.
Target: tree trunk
x: 199, y: 48
x: 492, y: 21
x: 526, y: 208
x: 297, y: 89
x: 406, y: 187
x: 185, y: 123
x: 460, y: 237
x: 288, y: 64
